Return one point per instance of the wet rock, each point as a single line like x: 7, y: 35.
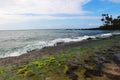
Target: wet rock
x: 90, y: 73
x: 60, y: 43
x: 97, y: 60
x: 87, y: 61
x: 117, y: 58
x: 72, y: 75
x: 89, y: 38
x: 103, y: 59
x: 71, y: 70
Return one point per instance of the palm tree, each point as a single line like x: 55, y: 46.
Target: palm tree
x: 109, y: 23
x: 103, y: 18
x: 110, y: 19
x: 103, y: 15
x: 118, y: 17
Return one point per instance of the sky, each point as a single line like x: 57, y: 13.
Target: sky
x: 55, y: 14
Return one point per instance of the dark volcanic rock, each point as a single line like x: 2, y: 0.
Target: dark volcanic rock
x: 90, y: 72
x: 117, y: 57
x: 71, y: 70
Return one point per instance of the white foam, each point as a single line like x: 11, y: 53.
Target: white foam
x: 116, y: 33
x: 104, y: 35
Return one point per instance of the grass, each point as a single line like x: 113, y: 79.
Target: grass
x: 55, y: 67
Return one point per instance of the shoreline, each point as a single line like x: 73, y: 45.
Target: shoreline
x: 56, y: 42
x: 35, y: 54
x: 46, y: 51
x: 89, y: 59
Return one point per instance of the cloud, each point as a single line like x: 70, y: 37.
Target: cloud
x: 42, y: 6
x: 10, y: 9
x: 115, y: 1
x: 21, y: 18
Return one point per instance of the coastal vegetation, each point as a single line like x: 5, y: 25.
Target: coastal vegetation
x: 94, y: 61
x: 108, y: 23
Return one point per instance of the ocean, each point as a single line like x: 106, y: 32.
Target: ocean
x: 17, y: 42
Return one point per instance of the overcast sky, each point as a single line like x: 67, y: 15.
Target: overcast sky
x: 54, y: 14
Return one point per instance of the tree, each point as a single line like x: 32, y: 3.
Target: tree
x: 109, y: 23
x: 106, y: 19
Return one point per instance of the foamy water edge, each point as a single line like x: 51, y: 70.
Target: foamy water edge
x: 42, y: 44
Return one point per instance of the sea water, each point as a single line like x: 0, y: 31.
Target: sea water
x: 17, y: 42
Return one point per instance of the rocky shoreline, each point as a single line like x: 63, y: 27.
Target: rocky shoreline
x: 105, y: 64
x: 101, y: 63
x: 27, y: 57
